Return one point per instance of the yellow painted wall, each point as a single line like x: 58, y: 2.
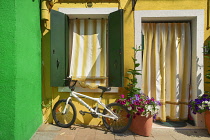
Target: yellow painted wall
x: 50, y: 95
x: 176, y: 5
x: 182, y: 5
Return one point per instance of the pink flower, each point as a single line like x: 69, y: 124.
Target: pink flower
x: 123, y: 102
x: 136, y: 103
x: 140, y: 109
x: 122, y: 96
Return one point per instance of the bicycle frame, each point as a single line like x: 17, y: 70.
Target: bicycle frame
x: 98, y: 100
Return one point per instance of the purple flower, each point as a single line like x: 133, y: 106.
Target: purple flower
x: 204, y: 95
x: 154, y: 117
x: 199, y: 105
x: 137, y: 96
x: 138, y: 104
x: 137, y: 113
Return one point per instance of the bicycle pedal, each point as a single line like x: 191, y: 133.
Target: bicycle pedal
x: 81, y: 112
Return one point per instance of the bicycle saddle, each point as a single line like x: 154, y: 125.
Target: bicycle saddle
x: 104, y: 89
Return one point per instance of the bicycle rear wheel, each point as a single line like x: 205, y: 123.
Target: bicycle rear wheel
x: 123, y: 122
x: 64, y: 119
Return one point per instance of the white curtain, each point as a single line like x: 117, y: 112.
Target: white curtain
x: 167, y: 67
x: 88, y: 54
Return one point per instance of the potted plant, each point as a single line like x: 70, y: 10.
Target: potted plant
x: 203, y: 101
x: 140, y: 104
x: 142, y: 108
x: 200, y: 105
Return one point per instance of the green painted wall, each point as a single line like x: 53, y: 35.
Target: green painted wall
x: 7, y: 70
x: 20, y: 73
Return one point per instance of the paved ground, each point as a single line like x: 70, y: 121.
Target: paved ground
x: 78, y: 132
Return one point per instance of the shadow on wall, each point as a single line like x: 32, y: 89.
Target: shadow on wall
x: 199, y: 92
x: 46, y: 89
x: 86, y: 119
x: 206, y: 66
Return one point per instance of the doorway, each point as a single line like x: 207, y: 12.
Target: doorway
x: 166, y: 73
x: 196, y: 18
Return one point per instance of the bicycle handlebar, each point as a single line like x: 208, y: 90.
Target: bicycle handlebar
x: 71, y: 83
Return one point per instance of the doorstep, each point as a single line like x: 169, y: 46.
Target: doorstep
x: 186, y: 127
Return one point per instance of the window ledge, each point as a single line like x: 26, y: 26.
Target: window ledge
x: 80, y: 89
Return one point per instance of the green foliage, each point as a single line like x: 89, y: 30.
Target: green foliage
x: 207, y: 49
x: 207, y: 53
x: 131, y: 86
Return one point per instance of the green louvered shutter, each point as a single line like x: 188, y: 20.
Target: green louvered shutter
x: 115, y: 47
x: 59, y: 48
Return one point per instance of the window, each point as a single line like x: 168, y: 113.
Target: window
x: 60, y: 48
x: 88, y: 41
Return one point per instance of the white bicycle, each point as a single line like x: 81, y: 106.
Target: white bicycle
x: 115, y: 116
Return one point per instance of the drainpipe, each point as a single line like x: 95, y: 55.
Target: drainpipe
x: 208, y: 12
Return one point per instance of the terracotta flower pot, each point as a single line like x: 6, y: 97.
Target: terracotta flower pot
x: 142, y: 125
x: 207, y: 120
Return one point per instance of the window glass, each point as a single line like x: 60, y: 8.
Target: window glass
x: 89, y: 51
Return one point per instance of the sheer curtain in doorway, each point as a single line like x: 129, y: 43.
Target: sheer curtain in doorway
x: 167, y: 67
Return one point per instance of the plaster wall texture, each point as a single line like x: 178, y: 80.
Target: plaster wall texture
x: 51, y: 95
x: 7, y: 70
x: 20, y: 71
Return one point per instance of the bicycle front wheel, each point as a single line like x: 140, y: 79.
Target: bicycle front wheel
x: 124, y: 119
x: 67, y: 118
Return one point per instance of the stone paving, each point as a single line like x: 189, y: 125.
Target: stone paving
x: 79, y: 132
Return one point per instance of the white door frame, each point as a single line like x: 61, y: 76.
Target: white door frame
x: 197, y: 26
